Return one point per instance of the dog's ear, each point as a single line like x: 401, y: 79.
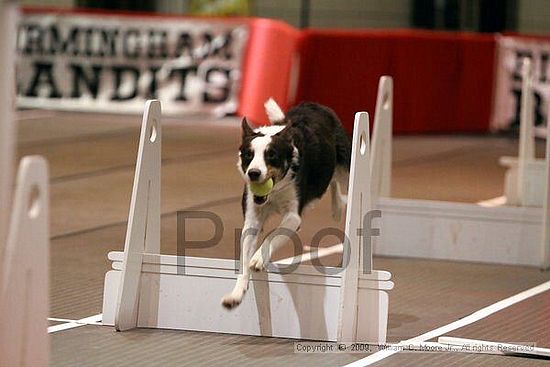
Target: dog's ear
x: 246, y: 129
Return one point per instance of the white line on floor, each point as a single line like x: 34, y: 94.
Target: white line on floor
x: 476, y: 316
x: 71, y: 324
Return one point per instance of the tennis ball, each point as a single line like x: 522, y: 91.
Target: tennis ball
x: 261, y: 189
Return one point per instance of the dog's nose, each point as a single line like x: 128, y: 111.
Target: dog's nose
x: 254, y: 174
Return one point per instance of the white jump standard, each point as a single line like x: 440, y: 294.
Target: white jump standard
x: 524, y: 184
x: 147, y: 289
x: 24, y: 227
x: 24, y: 270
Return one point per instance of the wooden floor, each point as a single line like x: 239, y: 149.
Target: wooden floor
x: 92, y: 158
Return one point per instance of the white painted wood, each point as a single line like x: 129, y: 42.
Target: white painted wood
x: 358, y: 205
x: 298, y: 307
x: 533, y: 181
x: 380, y: 186
x: 147, y: 289
x: 226, y: 265
x: 511, y: 191
x: 526, y: 137
x: 381, y: 151
x: 192, y: 303
x: 24, y: 288
x: 224, y: 268
x: 460, y: 231
x: 220, y: 268
x: 496, y: 347
x: 525, y: 176
x: 8, y: 21
x: 545, y: 243
x: 320, y: 253
x: 143, y: 232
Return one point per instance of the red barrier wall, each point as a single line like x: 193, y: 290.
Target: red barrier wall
x: 267, y: 68
x: 443, y: 82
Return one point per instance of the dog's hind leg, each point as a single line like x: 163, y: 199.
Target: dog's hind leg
x: 275, y: 240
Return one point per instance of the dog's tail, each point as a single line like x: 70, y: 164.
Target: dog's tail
x: 273, y: 111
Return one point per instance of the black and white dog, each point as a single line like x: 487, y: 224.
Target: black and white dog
x: 303, y: 152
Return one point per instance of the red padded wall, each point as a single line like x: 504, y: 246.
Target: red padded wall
x: 267, y: 67
x: 475, y: 94
x: 443, y: 82
x: 340, y: 70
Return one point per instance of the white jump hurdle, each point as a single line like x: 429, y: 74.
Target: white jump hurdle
x: 8, y: 12
x: 25, y: 271
x: 524, y: 181
x: 381, y: 156
x: 459, y: 231
x: 24, y: 235
x: 147, y: 289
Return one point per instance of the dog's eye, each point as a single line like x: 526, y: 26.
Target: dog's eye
x: 246, y: 155
x: 270, y: 155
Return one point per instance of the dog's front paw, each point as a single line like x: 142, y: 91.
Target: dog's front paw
x: 257, y: 262
x: 232, y: 300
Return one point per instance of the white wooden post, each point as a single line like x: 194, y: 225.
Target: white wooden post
x: 24, y: 289
x: 545, y: 245
x: 381, y: 157
x: 143, y: 231
x: 358, y: 205
x: 8, y: 19
x: 526, y: 152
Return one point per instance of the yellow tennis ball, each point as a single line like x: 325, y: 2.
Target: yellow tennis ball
x: 261, y: 189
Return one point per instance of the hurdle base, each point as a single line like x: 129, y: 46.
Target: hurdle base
x: 534, y: 180
x: 184, y: 293
x: 460, y: 232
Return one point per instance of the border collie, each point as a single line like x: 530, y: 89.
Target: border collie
x: 304, y: 153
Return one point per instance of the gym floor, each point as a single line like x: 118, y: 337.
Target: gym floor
x: 92, y: 159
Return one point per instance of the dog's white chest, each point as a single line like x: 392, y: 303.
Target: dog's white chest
x: 283, y: 201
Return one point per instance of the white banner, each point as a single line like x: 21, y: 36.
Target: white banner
x: 506, y: 106
x: 107, y: 63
